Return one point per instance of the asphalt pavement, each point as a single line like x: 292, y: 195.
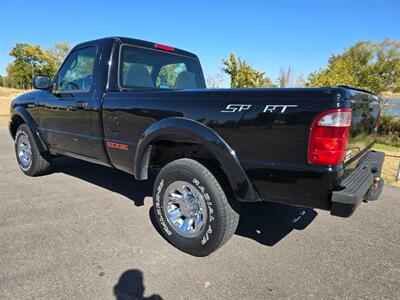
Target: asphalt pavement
x: 87, y: 232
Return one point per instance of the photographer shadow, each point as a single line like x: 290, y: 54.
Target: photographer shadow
x: 130, y: 287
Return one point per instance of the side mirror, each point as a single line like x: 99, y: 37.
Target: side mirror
x: 42, y: 82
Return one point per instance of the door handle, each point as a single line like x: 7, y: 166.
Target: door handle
x: 112, y: 124
x: 80, y: 104
x: 116, y: 121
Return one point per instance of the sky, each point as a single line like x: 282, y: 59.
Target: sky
x: 268, y: 34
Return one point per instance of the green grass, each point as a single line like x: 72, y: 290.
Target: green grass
x: 391, y: 163
x: 384, y: 147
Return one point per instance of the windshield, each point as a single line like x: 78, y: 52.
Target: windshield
x: 153, y: 69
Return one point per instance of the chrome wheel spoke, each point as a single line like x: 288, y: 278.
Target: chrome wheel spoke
x: 175, y: 197
x: 174, y: 215
x: 198, y: 221
x: 187, y: 224
x: 185, y: 208
x: 24, y: 150
x: 182, y: 189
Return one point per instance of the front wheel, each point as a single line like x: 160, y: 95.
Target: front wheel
x: 30, y: 160
x: 191, y: 208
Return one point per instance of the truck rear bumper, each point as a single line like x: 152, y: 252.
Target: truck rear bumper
x: 363, y: 184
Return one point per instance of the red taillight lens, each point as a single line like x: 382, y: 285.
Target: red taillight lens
x: 164, y: 47
x: 329, y: 135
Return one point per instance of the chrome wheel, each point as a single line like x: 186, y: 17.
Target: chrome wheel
x: 185, y: 208
x: 24, y: 150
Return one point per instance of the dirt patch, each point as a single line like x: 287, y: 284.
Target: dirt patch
x: 390, y: 167
x: 6, y: 96
x: 4, y: 110
x: 5, y: 105
x: 4, y: 120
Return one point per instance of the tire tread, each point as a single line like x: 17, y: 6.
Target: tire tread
x: 229, y: 217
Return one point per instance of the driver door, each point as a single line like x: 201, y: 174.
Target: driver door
x: 65, y: 113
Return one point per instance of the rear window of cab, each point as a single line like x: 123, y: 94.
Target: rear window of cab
x: 142, y: 68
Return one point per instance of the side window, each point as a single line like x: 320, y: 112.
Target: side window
x: 77, y: 72
x: 168, y: 75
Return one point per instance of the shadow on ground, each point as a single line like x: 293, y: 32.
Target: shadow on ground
x: 130, y: 287
x: 105, y: 177
x: 266, y: 223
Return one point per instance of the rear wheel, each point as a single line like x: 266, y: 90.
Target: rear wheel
x: 30, y: 160
x: 191, y: 208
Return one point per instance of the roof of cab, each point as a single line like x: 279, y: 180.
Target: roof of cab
x: 141, y: 43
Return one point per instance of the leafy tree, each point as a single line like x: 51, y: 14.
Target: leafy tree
x: 368, y: 65
x: 242, y: 75
x: 9, y: 80
x: 58, y: 52
x: 29, y: 61
x: 389, y: 131
x: 32, y: 60
x: 169, y: 73
x: 1, y: 80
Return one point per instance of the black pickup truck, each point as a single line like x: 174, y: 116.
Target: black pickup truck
x: 134, y: 105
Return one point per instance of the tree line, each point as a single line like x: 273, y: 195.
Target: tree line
x: 374, y: 66
x: 31, y: 60
x: 368, y: 65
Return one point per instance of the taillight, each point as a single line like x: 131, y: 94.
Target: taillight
x: 329, y: 136
x: 164, y: 47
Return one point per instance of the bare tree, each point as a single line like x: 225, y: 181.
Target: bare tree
x: 285, y: 77
x: 301, y: 81
x: 214, y: 82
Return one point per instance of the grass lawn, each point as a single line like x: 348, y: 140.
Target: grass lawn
x: 391, y: 163
x: 383, y: 147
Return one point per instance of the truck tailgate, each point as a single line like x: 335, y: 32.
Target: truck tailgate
x: 365, y: 115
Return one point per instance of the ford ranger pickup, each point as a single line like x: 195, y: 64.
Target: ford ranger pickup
x: 135, y: 105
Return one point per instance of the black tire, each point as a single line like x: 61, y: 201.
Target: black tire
x: 38, y: 164
x: 221, y: 219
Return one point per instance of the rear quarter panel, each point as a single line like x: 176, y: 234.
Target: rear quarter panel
x: 271, y: 145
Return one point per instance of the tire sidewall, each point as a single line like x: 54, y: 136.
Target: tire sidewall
x: 23, y: 131
x: 210, y: 236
